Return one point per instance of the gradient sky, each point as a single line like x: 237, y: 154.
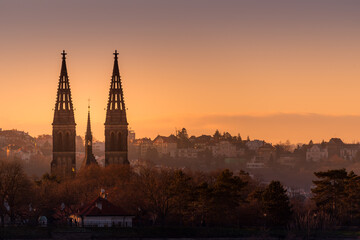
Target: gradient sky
x: 274, y: 70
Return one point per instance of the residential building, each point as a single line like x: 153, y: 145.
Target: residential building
x: 102, y: 213
x: 254, y: 144
x: 349, y: 151
x: 166, y: 146
x: 316, y: 153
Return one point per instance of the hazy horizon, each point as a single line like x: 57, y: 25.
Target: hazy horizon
x: 274, y: 70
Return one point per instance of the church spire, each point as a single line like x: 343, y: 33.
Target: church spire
x: 116, y: 125
x: 64, y: 128
x: 88, y: 128
x: 89, y: 156
x: 64, y: 111
x: 116, y: 112
x: 63, y: 65
x: 116, y: 71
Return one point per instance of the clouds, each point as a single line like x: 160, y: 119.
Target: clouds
x: 272, y: 127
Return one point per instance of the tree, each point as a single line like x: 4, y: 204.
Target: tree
x: 217, y: 135
x: 158, y: 195
x: 183, y: 139
x: 330, y: 191
x: 239, y: 139
x: 352, y: 191
x: 227, y: 136
x: 227, y: 196
x: 182, y: 191
x: 275, y: 204
x: 15, y: 190
x: 182, y: 134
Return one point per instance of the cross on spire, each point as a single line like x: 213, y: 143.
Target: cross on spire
x: 89, y: 104
x: 63, y: 54
x: 116, y: 54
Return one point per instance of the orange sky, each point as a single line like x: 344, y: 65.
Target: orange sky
x: 274, y: 71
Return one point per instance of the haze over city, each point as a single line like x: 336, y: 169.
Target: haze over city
x: 277, y: 71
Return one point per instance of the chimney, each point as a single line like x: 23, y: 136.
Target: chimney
x: 103, y: 194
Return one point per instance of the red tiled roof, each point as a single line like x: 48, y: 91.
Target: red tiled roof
x: 107, y: 209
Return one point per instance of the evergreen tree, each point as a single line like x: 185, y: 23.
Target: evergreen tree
x: 352, y: 190
x: 217, y: 135
x: 276, y: 205
x: 330, y: 192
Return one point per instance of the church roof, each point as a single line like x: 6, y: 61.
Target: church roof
x: 102, y: 207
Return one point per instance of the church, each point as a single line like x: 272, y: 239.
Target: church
x: 63, y: 163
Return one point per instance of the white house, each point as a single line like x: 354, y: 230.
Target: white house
x: 349, y: 151
x: 166, y: 145
x: 254, y: 144
x: 101, y: 213
x: 316, y: 153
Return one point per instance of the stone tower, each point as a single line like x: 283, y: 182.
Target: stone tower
x: 63, y: 163
x: 116, y: 125
x: 89, y: 156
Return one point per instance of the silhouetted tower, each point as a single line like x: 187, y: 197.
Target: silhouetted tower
x: 116, y: 125
x: 89, y: 156
x: 63, y: 163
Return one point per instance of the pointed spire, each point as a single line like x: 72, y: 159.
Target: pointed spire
x: 63, y: 66
x: 88, y: 128
x: 89, y: 156
x: 64, y: 112
x: 116, y: 112
x: 116, y: 71
x: 116, y: 125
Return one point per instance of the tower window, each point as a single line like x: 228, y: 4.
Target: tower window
x: 119, y: 141
x: 59, y: 147
x: 112, y: 137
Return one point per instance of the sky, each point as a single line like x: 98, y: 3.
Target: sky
x: 273, y: 70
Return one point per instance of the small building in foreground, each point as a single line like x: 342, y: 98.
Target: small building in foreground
x: 101, y: 213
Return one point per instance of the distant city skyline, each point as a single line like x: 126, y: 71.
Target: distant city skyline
x: 273, y: 70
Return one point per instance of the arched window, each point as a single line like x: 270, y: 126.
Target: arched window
x: 112, y: 141
x: 119, y: 142
x: 59, y: 142
x: 67, y: 141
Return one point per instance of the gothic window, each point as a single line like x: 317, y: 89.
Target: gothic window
x: 119, y: 145
x: 67, y: 141
x: 59, y: 142
x: 112, y: 141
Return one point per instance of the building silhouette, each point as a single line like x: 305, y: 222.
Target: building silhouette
x: 89, y: 156
x: 116, y: 125
x: 63, y: 163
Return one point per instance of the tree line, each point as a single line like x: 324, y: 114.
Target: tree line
x: 173, y: 197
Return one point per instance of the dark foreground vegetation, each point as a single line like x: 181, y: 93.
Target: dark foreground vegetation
x: 176, y: 203
x: 174, y: 232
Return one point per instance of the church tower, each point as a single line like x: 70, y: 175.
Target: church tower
x: 116, y: 125
x: 63, y: 163
x: 89, y: 156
